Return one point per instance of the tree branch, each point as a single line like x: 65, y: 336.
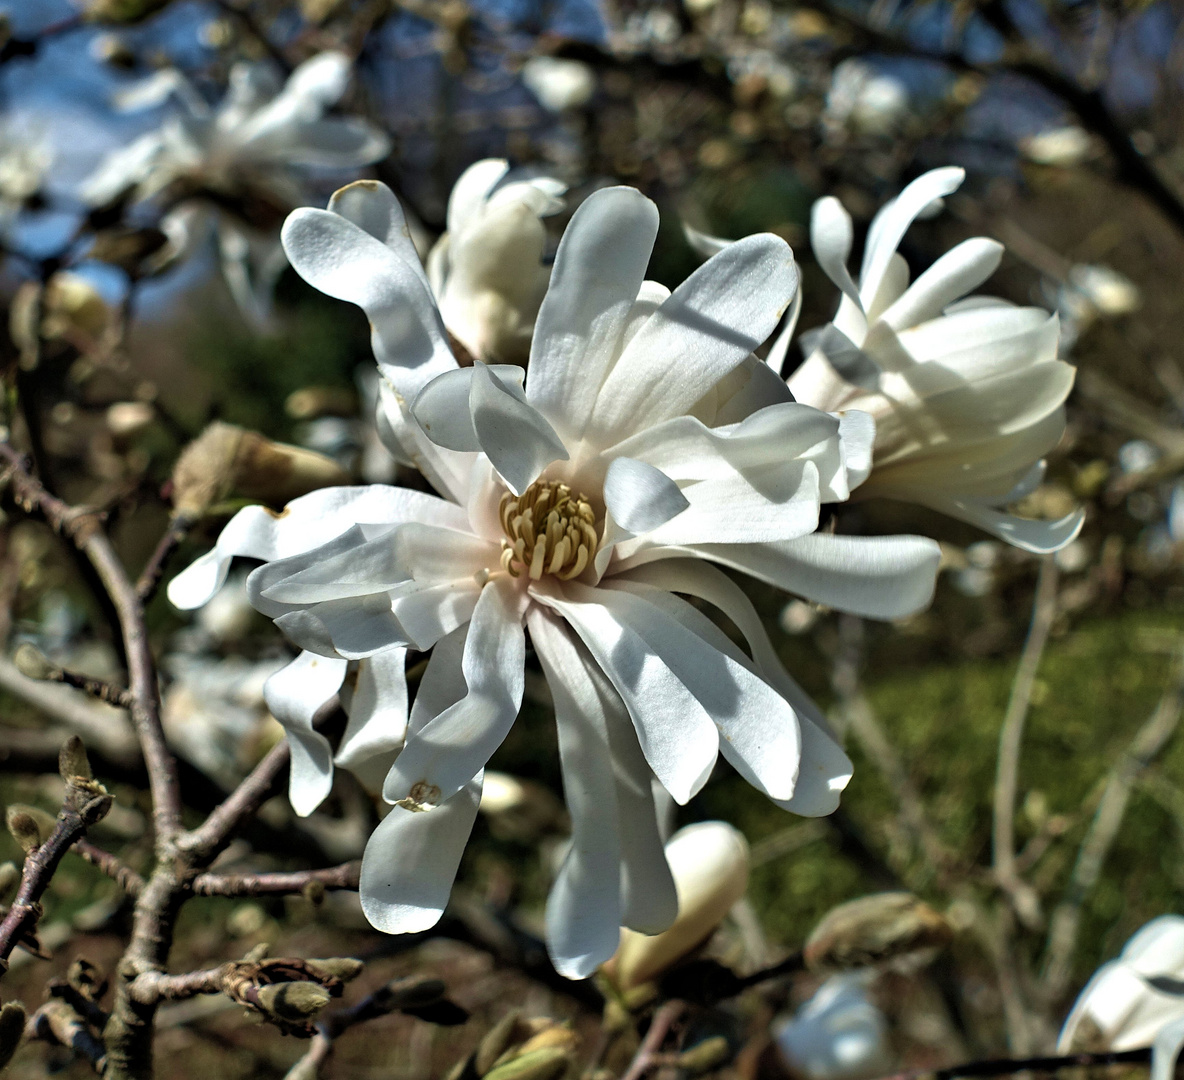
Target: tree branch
x: 344, y: 876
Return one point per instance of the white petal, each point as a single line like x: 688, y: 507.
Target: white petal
x: 831, y: 236
x: 434, y: 611
x: 377, y: 717
x: 344, y: 261
x: 293, y: 695
x: 439, y: 757
x: 304, y: 524
x: 708, y: 326
x: 358, y: 626
x: 516, y: 438
x: 373, y: 207
x: 893, y: 222
x: 1039, y: 537
x: 758, y: 728
x: 471, y: 190
x: 703, y: 243
x: 443, y: 681
x: 442, y: 410
x: 446, y: 471
x: 676, y: 733
x: 825, y: 770
x: 599, y: 269
x: 881, y: 577
x: 411, y: 861
x: 639, y: 496
x: 320, y: 80
x: 584, y: 906
x: 857, y: 436
x: 956, y: 273
x: 779, y: 350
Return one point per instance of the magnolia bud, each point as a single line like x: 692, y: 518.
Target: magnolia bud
x: 12, y: 1029
x: 72, y: 760
x: 546, y: 1064
x: 496, y: 1041
x: 225, y: 460
x: 73, y: 310
x: 708, y: 1054
x: 709, y: 862
x: 30, y: 826
x: 345, y: 968
x: 874, y: 929
x: 293, y: 1002
x: 32, y: 663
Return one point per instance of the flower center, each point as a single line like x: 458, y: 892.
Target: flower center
x: 548, y: 531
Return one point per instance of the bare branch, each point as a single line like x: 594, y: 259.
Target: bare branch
x: 1150, y: 739
x: 205, y: 842
x: 115, y: 868
x: 344, y: 876
x: 86, y: 802
x: 1011, y: 734
x: 150, y: 576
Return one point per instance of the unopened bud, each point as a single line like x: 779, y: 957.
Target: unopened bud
x: 558, y: 1036
x: 547, y: 1064
x: 30, y: 826
x: 12, y: 1029
x: 293, y: 1002
x: 32, y: 663
x: 314, y: 893
x: 875, y: 929
x: 128, y: 418
x: 705, y: 1055
x: 345, y: 968
x: 72, y: 310
x: 226, y: 460
x: 72, y: 760
x: 496, y: 1042
x: 709, y: 862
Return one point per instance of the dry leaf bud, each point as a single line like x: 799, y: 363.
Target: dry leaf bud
x: 72, y: 760
x: 32, y: 663
x: 345, y: 968
x: 29, y: 825
x: 546, y: 1064
x: 293, y: 1002
x: 708, y: 1054
x: 874, y: 929
x: 226, y: 460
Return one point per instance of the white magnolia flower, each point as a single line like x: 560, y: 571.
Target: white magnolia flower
x: 645, y: 443
x: 240, y: 166
x: 25, y: 158
x: 864, y: 99
x: 487, y: 270
x: 709, y: 864
x: 559, y: 84
x: 967, y: 394
x: 838, y: 1034
x: 1121, y: 1008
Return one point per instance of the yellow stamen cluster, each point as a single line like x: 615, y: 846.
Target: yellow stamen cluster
x: 548, y: 531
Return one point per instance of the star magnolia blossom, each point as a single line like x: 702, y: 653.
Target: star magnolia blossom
x: 252, y: 151
x: 487, y: 270
x: 645, y: 443
x: 967, y: 394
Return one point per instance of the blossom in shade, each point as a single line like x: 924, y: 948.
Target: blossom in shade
x: 487, y: 271
x: 967, y: 393
x: 1133, y: 997
x: 839, y: 1034
x: 236, y: 168
x: 579, y: 501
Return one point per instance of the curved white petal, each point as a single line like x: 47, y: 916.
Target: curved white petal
x: 831, y: 237
x: 1039, y: 537
x: 641, y: 497
x: 599, y: 269
x: 857, y: 437
x: 825, y: 769
x: 377, y: 717
x: 410, y: 862
x: 880, y: 577
x: 344, y: 261
x: 676, y: 733
x: 957, y: 272
x: 439, y: 758
x: 374, y: 209
x: 293, y: 695
x: 516, y: 437
x: 709, y: 326
x: 471, y: 190
x: 584, y: 906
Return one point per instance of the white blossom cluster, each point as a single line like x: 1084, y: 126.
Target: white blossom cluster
x: 587, y: 497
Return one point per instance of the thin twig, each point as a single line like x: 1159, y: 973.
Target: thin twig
x: 1011, y: 735
x: 664, y: 1019
x: 1144, y: 748
x: 206, y: 841
x: 149, y: 579
x: 344, y: 876
x: 114, y: 867
x: 84, y: 804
